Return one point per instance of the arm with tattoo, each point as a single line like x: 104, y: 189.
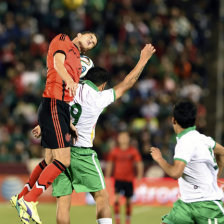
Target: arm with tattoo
x: 133, y: 76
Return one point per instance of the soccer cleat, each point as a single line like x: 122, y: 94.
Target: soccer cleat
x: 29, y: 208
x: 25, y: 218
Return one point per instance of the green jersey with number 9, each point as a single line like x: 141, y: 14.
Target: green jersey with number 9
x: 86, y: 108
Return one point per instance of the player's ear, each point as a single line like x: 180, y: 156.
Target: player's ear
x: 79, y: 35
x: 174, y: 121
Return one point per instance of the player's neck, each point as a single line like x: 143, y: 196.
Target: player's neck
x: 123, y: 147
x: 179, y: 129
x: 76, y: 43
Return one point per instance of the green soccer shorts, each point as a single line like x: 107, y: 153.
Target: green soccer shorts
x: 83, y: 175
x: 203, y: 212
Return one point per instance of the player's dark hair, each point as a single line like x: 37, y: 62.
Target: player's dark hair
x: 97, y: 75
x: 184, y: 113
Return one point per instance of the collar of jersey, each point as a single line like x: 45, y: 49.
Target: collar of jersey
x: 76, y: 47
x: 185, y: 131
x: 91, y: 84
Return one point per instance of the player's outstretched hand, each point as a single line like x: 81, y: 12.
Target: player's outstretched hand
x: 71, y: 87
x: 147, y: 52
x: 36, y: 131
x: 155, y: 153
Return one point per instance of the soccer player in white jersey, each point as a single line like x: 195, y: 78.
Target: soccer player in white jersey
x: 84, y: 173
x: 196, y: 169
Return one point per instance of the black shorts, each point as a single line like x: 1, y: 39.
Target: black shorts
x: 123, y: 187
x: 54, y: 121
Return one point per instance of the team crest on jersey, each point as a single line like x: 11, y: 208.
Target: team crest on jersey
x: 68, y: 137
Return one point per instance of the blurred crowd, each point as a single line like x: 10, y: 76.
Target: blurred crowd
x: 180, y: 30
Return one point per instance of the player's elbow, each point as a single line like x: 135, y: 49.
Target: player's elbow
x: 176, y: 175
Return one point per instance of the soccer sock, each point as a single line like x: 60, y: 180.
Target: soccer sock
x: 33, y: 178
x: 104, y: 221
x: 117, y: 212
x: 128, y: 214
x: 46, y: 178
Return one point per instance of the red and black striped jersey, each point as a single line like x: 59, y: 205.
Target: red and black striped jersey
x: 55, y: 86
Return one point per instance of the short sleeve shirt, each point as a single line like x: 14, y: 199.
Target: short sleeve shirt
x: 55, y: 86
x: 86, y: 108
x: 124, y: 161
x: 199, y: 179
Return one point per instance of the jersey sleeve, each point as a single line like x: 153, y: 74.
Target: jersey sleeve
x: 137, y: 156
x: 59, y: 44
x: 184, y: 151
x: 211, y: 142
x: 105, y: 98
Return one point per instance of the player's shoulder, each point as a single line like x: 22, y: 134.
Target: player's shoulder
x: 61, y: 37
x: 133, y: 149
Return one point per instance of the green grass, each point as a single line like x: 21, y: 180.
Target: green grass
x: 83, y: 214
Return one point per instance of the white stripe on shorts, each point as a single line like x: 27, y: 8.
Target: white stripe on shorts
x: 221, y: 208
x: 215, y: 221
x: 101, y: 178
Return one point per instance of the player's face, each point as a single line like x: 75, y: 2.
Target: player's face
x: 87, y: 41
x: 123, y: 139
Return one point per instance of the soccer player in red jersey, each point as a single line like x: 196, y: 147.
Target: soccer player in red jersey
x: 63, y: 72
x: 124, y: 158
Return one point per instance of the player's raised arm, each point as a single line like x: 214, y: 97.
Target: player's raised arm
x: 59, y: 59
x: 133, y: 76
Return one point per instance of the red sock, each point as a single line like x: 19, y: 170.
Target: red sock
x: 33, y: 178
x: 117, y: 212
x: 46, y: 178
x: 128, y: 214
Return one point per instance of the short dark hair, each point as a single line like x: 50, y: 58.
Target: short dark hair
x: 185, y: 113
x: 97, y: 75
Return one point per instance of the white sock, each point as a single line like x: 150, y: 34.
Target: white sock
x: 104, y: 221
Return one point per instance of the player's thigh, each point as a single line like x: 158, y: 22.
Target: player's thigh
x: 62, y: 185
x: 85, y: 169
x: 128, y: 189
x: 118, y: 187
x: 210, y: 212
x: 48, y: 156
x: 54, y: 121
x: 180, y: 214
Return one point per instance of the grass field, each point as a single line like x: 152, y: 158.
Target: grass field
x: 83, y: 214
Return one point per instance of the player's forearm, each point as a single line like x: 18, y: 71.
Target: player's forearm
x: 130, y: 79
x: 140, y: 170
x: 108, y: 169
x: 169, y: 169
x: 133, y: 76
x: 60, y: 68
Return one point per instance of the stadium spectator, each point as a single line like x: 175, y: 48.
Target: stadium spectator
x: 182, y: 38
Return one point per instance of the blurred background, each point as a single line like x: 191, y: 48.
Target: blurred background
x: 188, y: 37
